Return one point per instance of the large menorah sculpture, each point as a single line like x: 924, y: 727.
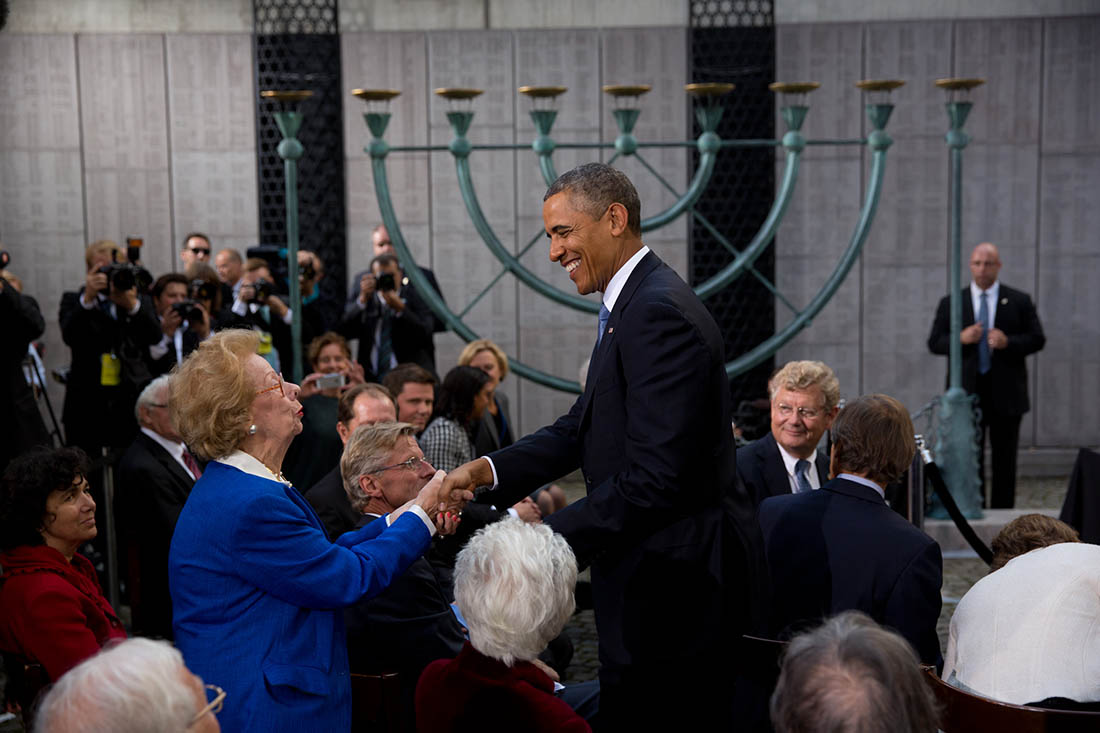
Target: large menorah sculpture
x: 708, y: 112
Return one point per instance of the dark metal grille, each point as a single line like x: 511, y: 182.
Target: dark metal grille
x: 741, y: 191
x: 297, y: 47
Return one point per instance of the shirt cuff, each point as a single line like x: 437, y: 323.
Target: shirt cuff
x: 239, y: 307
x: 494, y: 468
x: 136, y: 308
x: 423, y: 518
x: 288, y: 317
x: 156, y: 351
x: 86, y: 306
x: 513, y: 512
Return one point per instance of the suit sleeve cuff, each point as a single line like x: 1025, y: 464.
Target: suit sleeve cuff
x: 493, y: 467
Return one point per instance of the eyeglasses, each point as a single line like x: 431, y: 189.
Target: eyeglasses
x: 214, y: 706
x: 274, y: 387
x: 205, y: 251
x: 806, y: 413
x: 413, y: 464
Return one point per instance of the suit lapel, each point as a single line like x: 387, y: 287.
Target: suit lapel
x: 967, y: 308
x: 169, y: 463
x: 775, y: 472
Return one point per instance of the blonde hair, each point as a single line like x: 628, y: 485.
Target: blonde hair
x: 476, y: 347
x: 801, y: 375
x: 211, y: 397
x: 102, y: 246
x: 366, y: 451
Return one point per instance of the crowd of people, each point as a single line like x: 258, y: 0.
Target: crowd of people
x: 277, y: 539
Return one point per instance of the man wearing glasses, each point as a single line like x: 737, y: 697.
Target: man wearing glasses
x: 804, y: 397
x: 196, y: 248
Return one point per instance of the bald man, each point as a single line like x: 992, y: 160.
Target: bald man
x: 1000, y: 328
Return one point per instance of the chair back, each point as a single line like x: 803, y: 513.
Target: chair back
x: 376, y: 702
x: 964, y: 711
x: 26, y: 680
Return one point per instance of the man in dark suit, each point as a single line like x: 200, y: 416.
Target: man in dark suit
x: 21, y: 427
x: 391, y: 321
x: 410, y: 623
x: 667, y: 528
x: 155, y: 477
x: 179, y: 337
x: 1006, y: 330
x: 380, y: 240
x: 804, y: 397
x: 843, y: 548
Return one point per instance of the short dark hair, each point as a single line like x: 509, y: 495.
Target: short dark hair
x: 850, y: 674
x: 384, y: 260
x: 200, y: 235
x: 163, y: 281
x: 27, y: 484
x: 326, y: 338
x: 255, y: 263
x: 873, y: 436
x: 345, y: 409
x: 593, y: 187
x: 456, y: 395
x: 206, y: 273
x: 1026, y: 533
x: 396, y: 378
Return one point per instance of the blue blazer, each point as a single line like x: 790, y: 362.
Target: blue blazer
x: 256, y: 587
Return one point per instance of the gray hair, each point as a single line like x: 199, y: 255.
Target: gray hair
x: 514, y: 583
x: 366, y: 451
x: 850, y: 674
x: 134, y: 686
x: 593, y: 187
x: 801, y: 375
x: 148, y: 395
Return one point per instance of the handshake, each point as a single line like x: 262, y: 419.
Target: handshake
x: 445, y: 495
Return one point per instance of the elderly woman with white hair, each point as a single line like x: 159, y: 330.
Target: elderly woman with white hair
x: 514, y: 586
x: 135, y: 686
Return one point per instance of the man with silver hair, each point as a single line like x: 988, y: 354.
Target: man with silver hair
x: 514, y: 586
x: 135, y: 686
x: 851, y: 674
x: 155, y: 477
x: 804, y: 397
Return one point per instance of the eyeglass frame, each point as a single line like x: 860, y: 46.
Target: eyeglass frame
x: 806, y: 413
x: 274, y: 387
x: 412, y: 464
x: 199, y: 250
x: 214, y: 706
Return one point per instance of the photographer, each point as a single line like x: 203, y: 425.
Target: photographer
x: 314, y: 320
x: 22, y: 427
x: 184, y: 322
x: 109, y: 328
x: 256, y: 307
x: 390, y: 320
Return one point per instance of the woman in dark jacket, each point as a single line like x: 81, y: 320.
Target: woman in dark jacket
x: 448, y: 441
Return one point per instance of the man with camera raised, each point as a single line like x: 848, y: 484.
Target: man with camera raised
x: 184, y: 322
x: 258, y: 308
x: 109, y: 327
x: 391, y: 321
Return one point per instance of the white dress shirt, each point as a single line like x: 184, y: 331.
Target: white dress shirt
x: 174, y: 449
x: 789, y: 462
x: 991, y: 302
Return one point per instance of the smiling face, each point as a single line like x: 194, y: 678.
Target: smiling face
x: 414, y: 404
x: 69, y: 521
x: 589, y: 249
x: 276, y: 411
x: 799, y: 419
x: 486, y: 361
x: 332, y: 360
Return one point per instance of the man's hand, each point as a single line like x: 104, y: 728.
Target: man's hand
x: 430, y: 498
x: 127, y: 300
x: 997, y: 338
x: 246, y: 293
x: 546, y: 669
x: 528, y: 510
x: 393, y: 300
x: 462, y: 481
x: 972, y: 334
x: 367, y: 285
x: 202, y: 326
x: 277, y: 306
x: 94, y: 281
x: 170, y: 320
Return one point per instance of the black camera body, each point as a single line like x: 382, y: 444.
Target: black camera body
x: 306, y: 271
x: 189, y: 311
x: 201, y: 290
x: 263, y: 290
x: 126, y: 275
x: 386, y: 282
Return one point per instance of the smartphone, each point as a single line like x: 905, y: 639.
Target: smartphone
x: 331, y: 381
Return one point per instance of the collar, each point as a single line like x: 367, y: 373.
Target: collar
x: 618, y: 280
x: 864, y: 482
x: 789, y: 461
x: 994, y: 291
x: 251, y: 465
x: 174, y: 449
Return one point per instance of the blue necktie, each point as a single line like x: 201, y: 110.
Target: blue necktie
x: 984, y: 358
x: 604, y: 315
x: 801, y: 478
x: 385, y: 345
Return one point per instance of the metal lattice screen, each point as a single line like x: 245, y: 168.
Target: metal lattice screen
x: 297, y: 46
x: 734, y: 41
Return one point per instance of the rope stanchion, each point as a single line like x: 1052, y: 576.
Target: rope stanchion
x: 968, y: 533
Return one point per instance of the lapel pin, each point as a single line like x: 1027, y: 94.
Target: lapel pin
x: 611, y: 330
x: 1004, y: 301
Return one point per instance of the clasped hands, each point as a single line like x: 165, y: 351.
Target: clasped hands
x: 972, y: 334
x: 445, y: 495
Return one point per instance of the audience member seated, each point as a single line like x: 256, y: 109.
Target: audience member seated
x: 155, y: 477
x: 134, y: 686
x: 413, y: 390
x: 494, y: 430
x: 179, y: 336
x: 256, y: 585
x: 52, y: 610
x: 316, y: 450
x: 804, y: 397
x: 1029, y: 632
x: 410, y: 623
x: 843, y: 548
x: 363, y: 404
x: 514, y: 587
x: 448, y: 439
x: 850, y: 674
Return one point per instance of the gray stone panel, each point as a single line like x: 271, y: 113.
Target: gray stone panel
x: 211, y: 109
x: 1071, y: 85
x: 1006, y: 53
x: 125, y: 137
x: 918, y: 53
x: 128, y: 16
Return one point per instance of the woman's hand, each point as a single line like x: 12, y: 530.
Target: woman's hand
x: 446, y: 523
x: 309, y: 386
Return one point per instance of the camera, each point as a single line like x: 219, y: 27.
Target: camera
x: 306, y: 271
x: 331, y: 381
x: 189, y: 311
x: 126, y: 275
x: 386, y: 282
x: 201, y: 290
x: 263, y: 290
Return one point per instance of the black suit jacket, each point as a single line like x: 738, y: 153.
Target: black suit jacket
x: 666, y: 525
x: 1016, y: 316
x: 152, y: 489
x: 164, y: 364
x: 411, y: 331
x: 438, y: 325
x: 761, y: 467
x: 21, y: 427
x: 843, y: 548
x: 403, y: 629
x: 330, y: 501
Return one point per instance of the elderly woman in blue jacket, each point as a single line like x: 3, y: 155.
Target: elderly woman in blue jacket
x: 256, y: 584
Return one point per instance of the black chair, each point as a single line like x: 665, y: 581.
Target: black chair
x: 376, y: 702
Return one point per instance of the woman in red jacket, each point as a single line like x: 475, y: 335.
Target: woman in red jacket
x: 52, y: 610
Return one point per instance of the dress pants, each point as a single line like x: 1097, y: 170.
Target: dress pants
x: 1004, y: 437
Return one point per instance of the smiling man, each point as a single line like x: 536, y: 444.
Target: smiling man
x: 667, y: 529
x: 804, y: 397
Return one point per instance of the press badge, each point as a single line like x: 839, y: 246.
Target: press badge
x: 110, y: 370
x: 265, y: 344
